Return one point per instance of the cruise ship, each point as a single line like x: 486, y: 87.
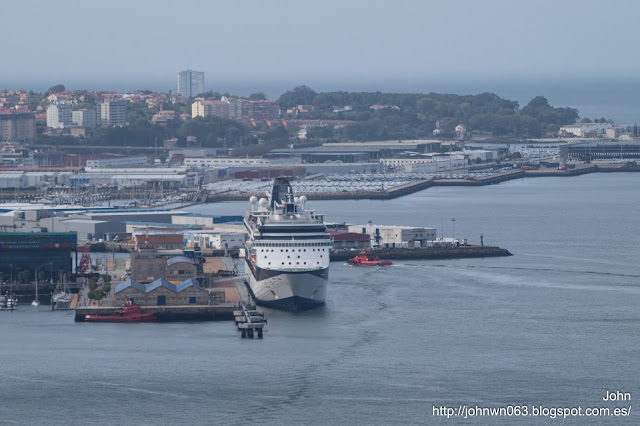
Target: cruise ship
x: 287, y: 252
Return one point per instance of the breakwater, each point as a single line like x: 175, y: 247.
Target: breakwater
x: 425, y: 253
x: 424, y: 184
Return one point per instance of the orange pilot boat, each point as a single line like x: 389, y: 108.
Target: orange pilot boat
x: 366, y: 259
x: 130, y: 313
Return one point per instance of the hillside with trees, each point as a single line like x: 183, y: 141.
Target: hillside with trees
x: 371, y: 115
x: 409, y: 115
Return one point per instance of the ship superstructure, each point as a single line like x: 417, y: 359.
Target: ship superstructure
x: 287, y: 257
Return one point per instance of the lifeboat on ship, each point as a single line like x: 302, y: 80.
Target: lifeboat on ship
x: 366, y: 259
x: 130, y: 313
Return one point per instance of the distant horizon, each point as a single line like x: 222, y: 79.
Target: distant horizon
x: 450, y: 85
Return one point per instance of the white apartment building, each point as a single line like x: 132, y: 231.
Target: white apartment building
x: 84, y: 118
x: 112, y: 113
x: 582, y: 130
x: 190, y: 83
x: 202, y: 108
x: 237, y: 109
x: 59, y: 116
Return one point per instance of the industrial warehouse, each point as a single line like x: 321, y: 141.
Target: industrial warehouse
x: 590, y: 151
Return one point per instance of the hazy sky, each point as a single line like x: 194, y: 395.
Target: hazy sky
x: 322, y: 39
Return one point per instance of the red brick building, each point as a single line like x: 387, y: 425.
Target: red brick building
x: 343, y: 239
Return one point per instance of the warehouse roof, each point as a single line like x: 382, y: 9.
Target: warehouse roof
x: 178, y: 259
x: 191, y: 282
x: 161, y: 282
x: 130, y: 283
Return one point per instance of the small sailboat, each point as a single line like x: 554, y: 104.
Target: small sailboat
x: 36, y: 302
x: 62, y: 297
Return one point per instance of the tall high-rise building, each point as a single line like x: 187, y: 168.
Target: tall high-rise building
x: 17, y: 126
x: 190, y: 83
x: 59, y: 115
x: 112, y: 113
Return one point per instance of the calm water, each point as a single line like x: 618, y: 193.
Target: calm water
x: 554, y: 325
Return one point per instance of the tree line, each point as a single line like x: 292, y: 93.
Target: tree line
x: 408, y: 115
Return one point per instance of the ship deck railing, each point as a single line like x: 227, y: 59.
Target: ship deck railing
x: 291, y: 221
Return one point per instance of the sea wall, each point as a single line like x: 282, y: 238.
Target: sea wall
x: 168, y: 313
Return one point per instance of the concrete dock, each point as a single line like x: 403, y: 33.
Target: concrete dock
x: 169, y: 313
x: 425, y: 253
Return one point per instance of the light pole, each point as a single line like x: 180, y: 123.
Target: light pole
x: 113, y: 251
x: 453, y: 223
x: 51, y: 272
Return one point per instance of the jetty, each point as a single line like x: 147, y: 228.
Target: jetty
x: 249, y: 322
x: 167, y: 313
x: 425, y: 253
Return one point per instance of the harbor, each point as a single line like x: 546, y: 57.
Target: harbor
x: 557, y: 293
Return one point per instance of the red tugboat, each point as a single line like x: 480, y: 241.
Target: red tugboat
x: 366, y: 259
x: 130, y: 313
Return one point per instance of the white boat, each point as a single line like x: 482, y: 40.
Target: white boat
x: 8, y: 302
x: 287, y: 252
x: 62, y: 297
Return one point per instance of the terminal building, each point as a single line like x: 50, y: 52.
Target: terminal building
x: 425, y: 164
x: 589, y: 151
x: 49, y: 252
x: 395, y: 236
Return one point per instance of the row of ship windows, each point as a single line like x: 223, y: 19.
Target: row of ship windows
x: 297, y: 263
x: 292, y: 244
x: 287, y: 250
x: 288, y: 257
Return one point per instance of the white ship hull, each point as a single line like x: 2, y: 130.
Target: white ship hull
x: 289, y: 290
